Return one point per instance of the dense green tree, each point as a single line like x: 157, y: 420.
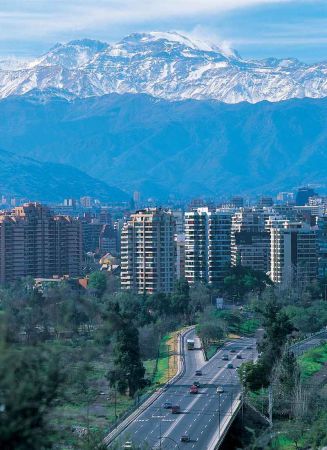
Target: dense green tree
x: 277, y: 328
x: 241, y: 280
x: 200, y: 297
x: 308, y: 319
x: 180, y: 298
x: 29, y: 383
x: 128, y: 371
x: 254, y: 375
x: 316, y: 437
x: 97, y: 283
x: 210, y: 331
x: 288, y: 374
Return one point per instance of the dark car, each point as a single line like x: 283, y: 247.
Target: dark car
x: 167, y: 405
x: 233, y: 350
x: 198, y: 373
x: 225, y: 357
x: 185, y: 438
x: 230, y: 366
x: 175, y: 409
x: 196, y: 383
x: 239, y: 356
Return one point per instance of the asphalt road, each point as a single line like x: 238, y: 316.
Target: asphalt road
x: 203, y: 414
x: 311, y: 342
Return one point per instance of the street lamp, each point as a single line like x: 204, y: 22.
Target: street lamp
x: 219, y: 413
x: 168, y: 438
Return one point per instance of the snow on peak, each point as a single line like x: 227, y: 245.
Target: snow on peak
x: 169, y: 65
x: 12, y: 63
x: 173, y: 36
x: 185, y: 40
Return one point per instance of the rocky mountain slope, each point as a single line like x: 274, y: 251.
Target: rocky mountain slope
x: 181, y: 149
x: 165, y: 65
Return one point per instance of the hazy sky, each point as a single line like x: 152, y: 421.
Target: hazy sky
x: 256, y: 28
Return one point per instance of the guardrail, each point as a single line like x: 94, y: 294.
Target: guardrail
x: 225, y: 424
x: 306, y: 344
x: 126, y: 421
x: 297, y: 348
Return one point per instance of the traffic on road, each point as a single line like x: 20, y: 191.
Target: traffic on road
x: 191, y: 411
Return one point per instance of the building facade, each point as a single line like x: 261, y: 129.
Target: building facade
x: 207, y: 245
x: 36, y: 243
x: 294, y: 258
x: 148, y: 252
x: 250, y: 240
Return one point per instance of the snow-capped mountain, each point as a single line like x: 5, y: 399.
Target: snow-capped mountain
x: 166, y: 65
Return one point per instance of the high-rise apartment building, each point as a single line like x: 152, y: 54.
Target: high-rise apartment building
x: 294, y: 258
x: 322, y: 245
x: 250, y: 240
x: 34, y: 242
x: 108, y: 240
x: 86, y: 202
x: 237, y: 201
x: 180, y: 256
x: 303, y: 194
x: 207, y: 245
x: 148, y: 252
x: 265, y: 201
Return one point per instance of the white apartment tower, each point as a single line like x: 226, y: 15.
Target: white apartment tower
x: 294, y: 259
x: 207, y: 245
x: 148, y: 252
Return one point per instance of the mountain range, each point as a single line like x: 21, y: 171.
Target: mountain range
x: 168, y: 149
x: 46, y: 181
x: 164, y: 65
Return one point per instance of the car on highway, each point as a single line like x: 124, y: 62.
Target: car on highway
x: 167, y: 405
x: 233, y: 350
x: 185, y: 438
x: 193, y: 389
x: 239, y: 356
x: 230, y: 366
x: 128, y: 444
x: 196, y: 383
x: 225, y: 357
x: 220, y: 390
x: 198, y: 373
x: 249, y: 347
x: 175, y: 409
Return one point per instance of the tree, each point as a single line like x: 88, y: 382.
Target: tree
x: 277, y: 328
x: 210, y: 331
x: 289, y: 373
x: 241, y: 280
x: 254, y: 375
x: 128, y: 371
x: 29, y: 385
x: 200, y: 297
x: 98, y: 283
x: 180, y: 298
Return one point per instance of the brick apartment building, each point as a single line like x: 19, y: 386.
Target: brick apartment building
x: 34, y: 242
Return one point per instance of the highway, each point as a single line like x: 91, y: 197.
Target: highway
x: 202, y: 415
x: 310, y: 342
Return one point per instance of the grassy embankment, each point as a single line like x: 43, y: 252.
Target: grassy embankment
x: 165, y: 367
x: 244, y: 326
x: 313, y: 363
x: 90, y: 402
